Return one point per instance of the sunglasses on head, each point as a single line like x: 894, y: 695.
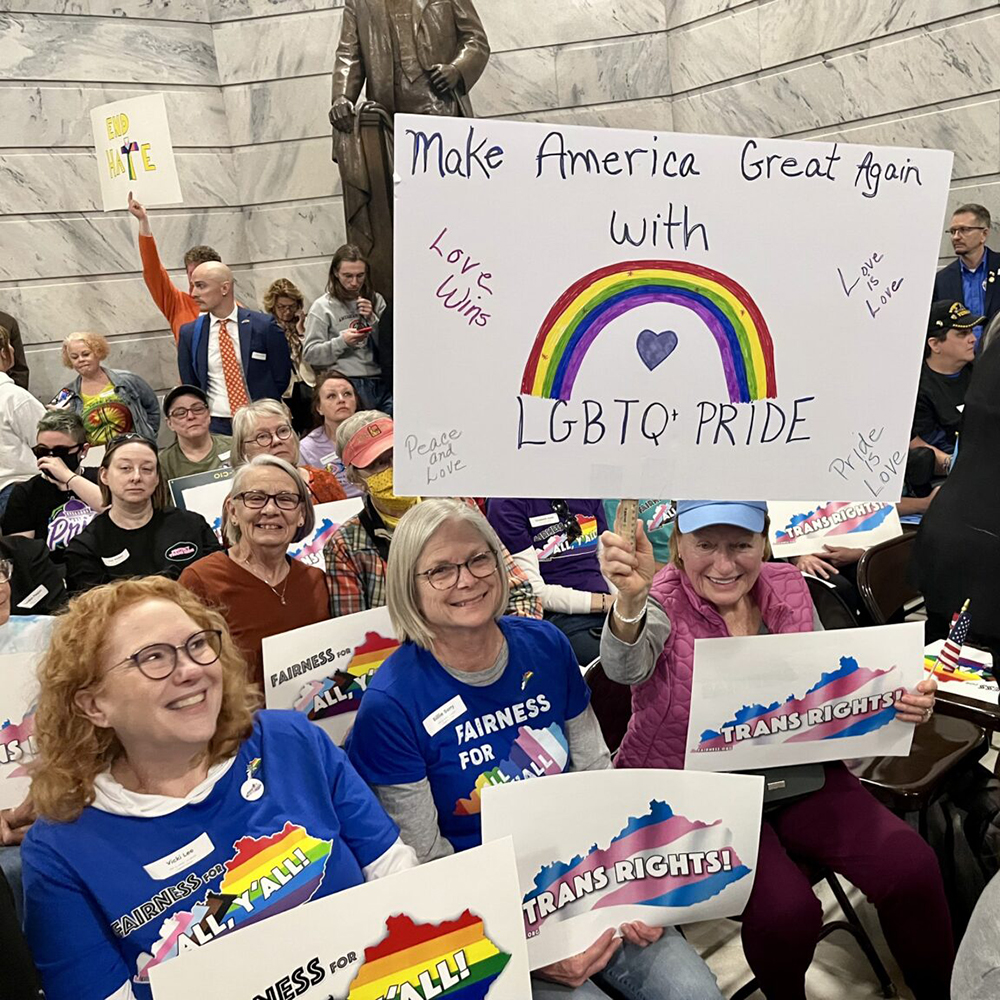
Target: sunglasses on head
x: 62, y: 451
x: 130, y: 438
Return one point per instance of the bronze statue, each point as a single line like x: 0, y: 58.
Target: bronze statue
x: 415, y: 56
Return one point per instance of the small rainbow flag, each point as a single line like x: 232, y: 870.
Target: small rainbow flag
x: 453, y: 959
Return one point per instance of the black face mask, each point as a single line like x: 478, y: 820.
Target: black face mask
x: 71, y: 457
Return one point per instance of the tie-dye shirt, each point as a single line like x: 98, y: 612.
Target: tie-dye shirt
x: 417, y: 721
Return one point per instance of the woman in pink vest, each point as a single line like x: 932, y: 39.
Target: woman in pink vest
x: 718, y: 584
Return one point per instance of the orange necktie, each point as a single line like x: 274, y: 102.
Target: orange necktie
x: 236, y: 388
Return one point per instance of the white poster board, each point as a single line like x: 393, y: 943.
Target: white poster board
x: 329, y: 517
x: 134, y: 152
x: 323, y: 669
x: 665, y: 847
x: 453, y: 921
x: 806, y: 526
x: 631, y: 313
x: 770, y: 700
x: 204, y: 493
x: 18, y: 690
x: 972, y: 679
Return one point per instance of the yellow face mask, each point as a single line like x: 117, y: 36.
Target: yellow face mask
x: 380, y: 490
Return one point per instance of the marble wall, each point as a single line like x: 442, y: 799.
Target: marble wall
x: 250, y: 81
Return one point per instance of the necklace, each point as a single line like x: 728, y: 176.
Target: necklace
x: 280, y: 595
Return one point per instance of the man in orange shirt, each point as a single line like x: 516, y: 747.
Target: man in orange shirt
x: 178, y: 306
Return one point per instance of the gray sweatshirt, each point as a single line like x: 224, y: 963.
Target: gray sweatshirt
x: 324, y: 347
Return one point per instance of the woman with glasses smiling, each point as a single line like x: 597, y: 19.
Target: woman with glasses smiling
x: 259, y: 589
x: 156, y: 775
x: 138, y: 535
x: 265, y: 428
x: 519, y: 710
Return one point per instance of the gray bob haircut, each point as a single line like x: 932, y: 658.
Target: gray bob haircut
x: 66, y: 422
x: 245, y: 472
x: 408, y: 540
x: 245, y: 426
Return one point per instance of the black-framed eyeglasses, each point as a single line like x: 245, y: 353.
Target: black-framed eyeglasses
x: 258, y: 499
x: 266, y: 438
x: 6, y: 570
x: 446, y: 575
x: 963, y: 230
x: 60, y: 451
x: 158, y: 660
x: 561, y: 509
x: 194, y: 410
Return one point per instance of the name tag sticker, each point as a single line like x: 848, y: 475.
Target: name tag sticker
x: 257, y: 356
x: 440, y: 717
x: 34, y: 597
x: 224, y: 456
x: 115, y: 560
x: 189, y: 854
x: 543, y: 519
x: 329, y: 458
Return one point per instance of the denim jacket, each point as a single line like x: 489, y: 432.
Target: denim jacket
x: 134, y: 391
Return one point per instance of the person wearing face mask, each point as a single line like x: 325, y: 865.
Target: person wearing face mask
x: 138, y: 535
x: 110, y: 401
x: 358, y: 551
x: 258, y: 588
x: 19, y: 412
x: 58, y: 503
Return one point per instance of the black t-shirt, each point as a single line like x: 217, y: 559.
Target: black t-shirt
x: 167, y: 543
x: 55, y: 516
x: 937, y: 417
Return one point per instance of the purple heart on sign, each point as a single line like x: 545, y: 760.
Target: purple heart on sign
x: 655, y: 348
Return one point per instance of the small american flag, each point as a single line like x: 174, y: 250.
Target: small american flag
x: 950, y: 652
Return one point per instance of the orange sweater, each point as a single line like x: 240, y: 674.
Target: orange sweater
x: 177, y: 306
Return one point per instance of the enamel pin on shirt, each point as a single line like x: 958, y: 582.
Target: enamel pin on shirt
x: 253, y: 788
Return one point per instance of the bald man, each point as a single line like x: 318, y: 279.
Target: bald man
x: 233, y: 354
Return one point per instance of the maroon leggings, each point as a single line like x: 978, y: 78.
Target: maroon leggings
x: 843, y: 827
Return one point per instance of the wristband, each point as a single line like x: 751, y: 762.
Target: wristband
x: 75, y: 475
x: 628, y: 621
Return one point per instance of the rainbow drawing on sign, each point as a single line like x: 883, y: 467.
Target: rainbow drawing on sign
x: 658, y: 859
x: 598, y: 298
x: 454, y: 959
x: 969, y: 671
x: 834, y: 519
x: 850, y: 701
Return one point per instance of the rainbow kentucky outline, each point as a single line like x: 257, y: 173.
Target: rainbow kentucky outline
x: 590, y: 304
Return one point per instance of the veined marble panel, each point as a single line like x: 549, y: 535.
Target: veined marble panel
x: 277, y: 47
x: 971, y: 130
x: 304, y: 229
x: 946, y: 64
x: 791, y: 29
x: 286, y: 171
x: 235, y: 10
x: 32, y: 183
x: 309, y: 277
x: 39, y: 47
x: 685, y: 11
x: 276, y: 110
x: 516, y: 82
x: 620, y: 69
x: 720, y: 49
x: 166, y: 10
x: 518, y: 24
x: 654, y: 114
x: 106, y: 244
x: 57, y: 116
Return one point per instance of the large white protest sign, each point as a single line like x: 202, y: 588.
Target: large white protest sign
x: 323, y: 670
x: 626, y: 313
x: 451, y: 928
x: 329, y: 517
x: 972, y: 678
x: 134, y: 152
x: 806, y: 526
x: 665, y: 847
x: 769, y: 700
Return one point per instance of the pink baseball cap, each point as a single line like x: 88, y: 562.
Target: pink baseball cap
x: 368, y: 443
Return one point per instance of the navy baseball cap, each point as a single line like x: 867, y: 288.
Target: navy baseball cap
x: 695, y: 514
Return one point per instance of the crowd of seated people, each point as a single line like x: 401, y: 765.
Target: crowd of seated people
x: 150, y: 719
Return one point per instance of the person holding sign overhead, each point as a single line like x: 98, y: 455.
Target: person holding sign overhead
x: 157, y: 780
x: 718, y: 584
x: 437, y: 723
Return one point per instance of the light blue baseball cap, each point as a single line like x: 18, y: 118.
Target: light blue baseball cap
x: 695, y: 514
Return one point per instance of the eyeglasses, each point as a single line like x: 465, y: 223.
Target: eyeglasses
x: 561, y: 509
x: 266, y: 438
x: 194, y: 410
x: 159, y: 660
x: 6, y: 570
x: 61, y: 451
x: 963, y: 230
x: 258, y: 499
x: 446, y: 575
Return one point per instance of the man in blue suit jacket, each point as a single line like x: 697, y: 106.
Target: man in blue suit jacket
x: 259, y: 345
x: 974, y: 278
